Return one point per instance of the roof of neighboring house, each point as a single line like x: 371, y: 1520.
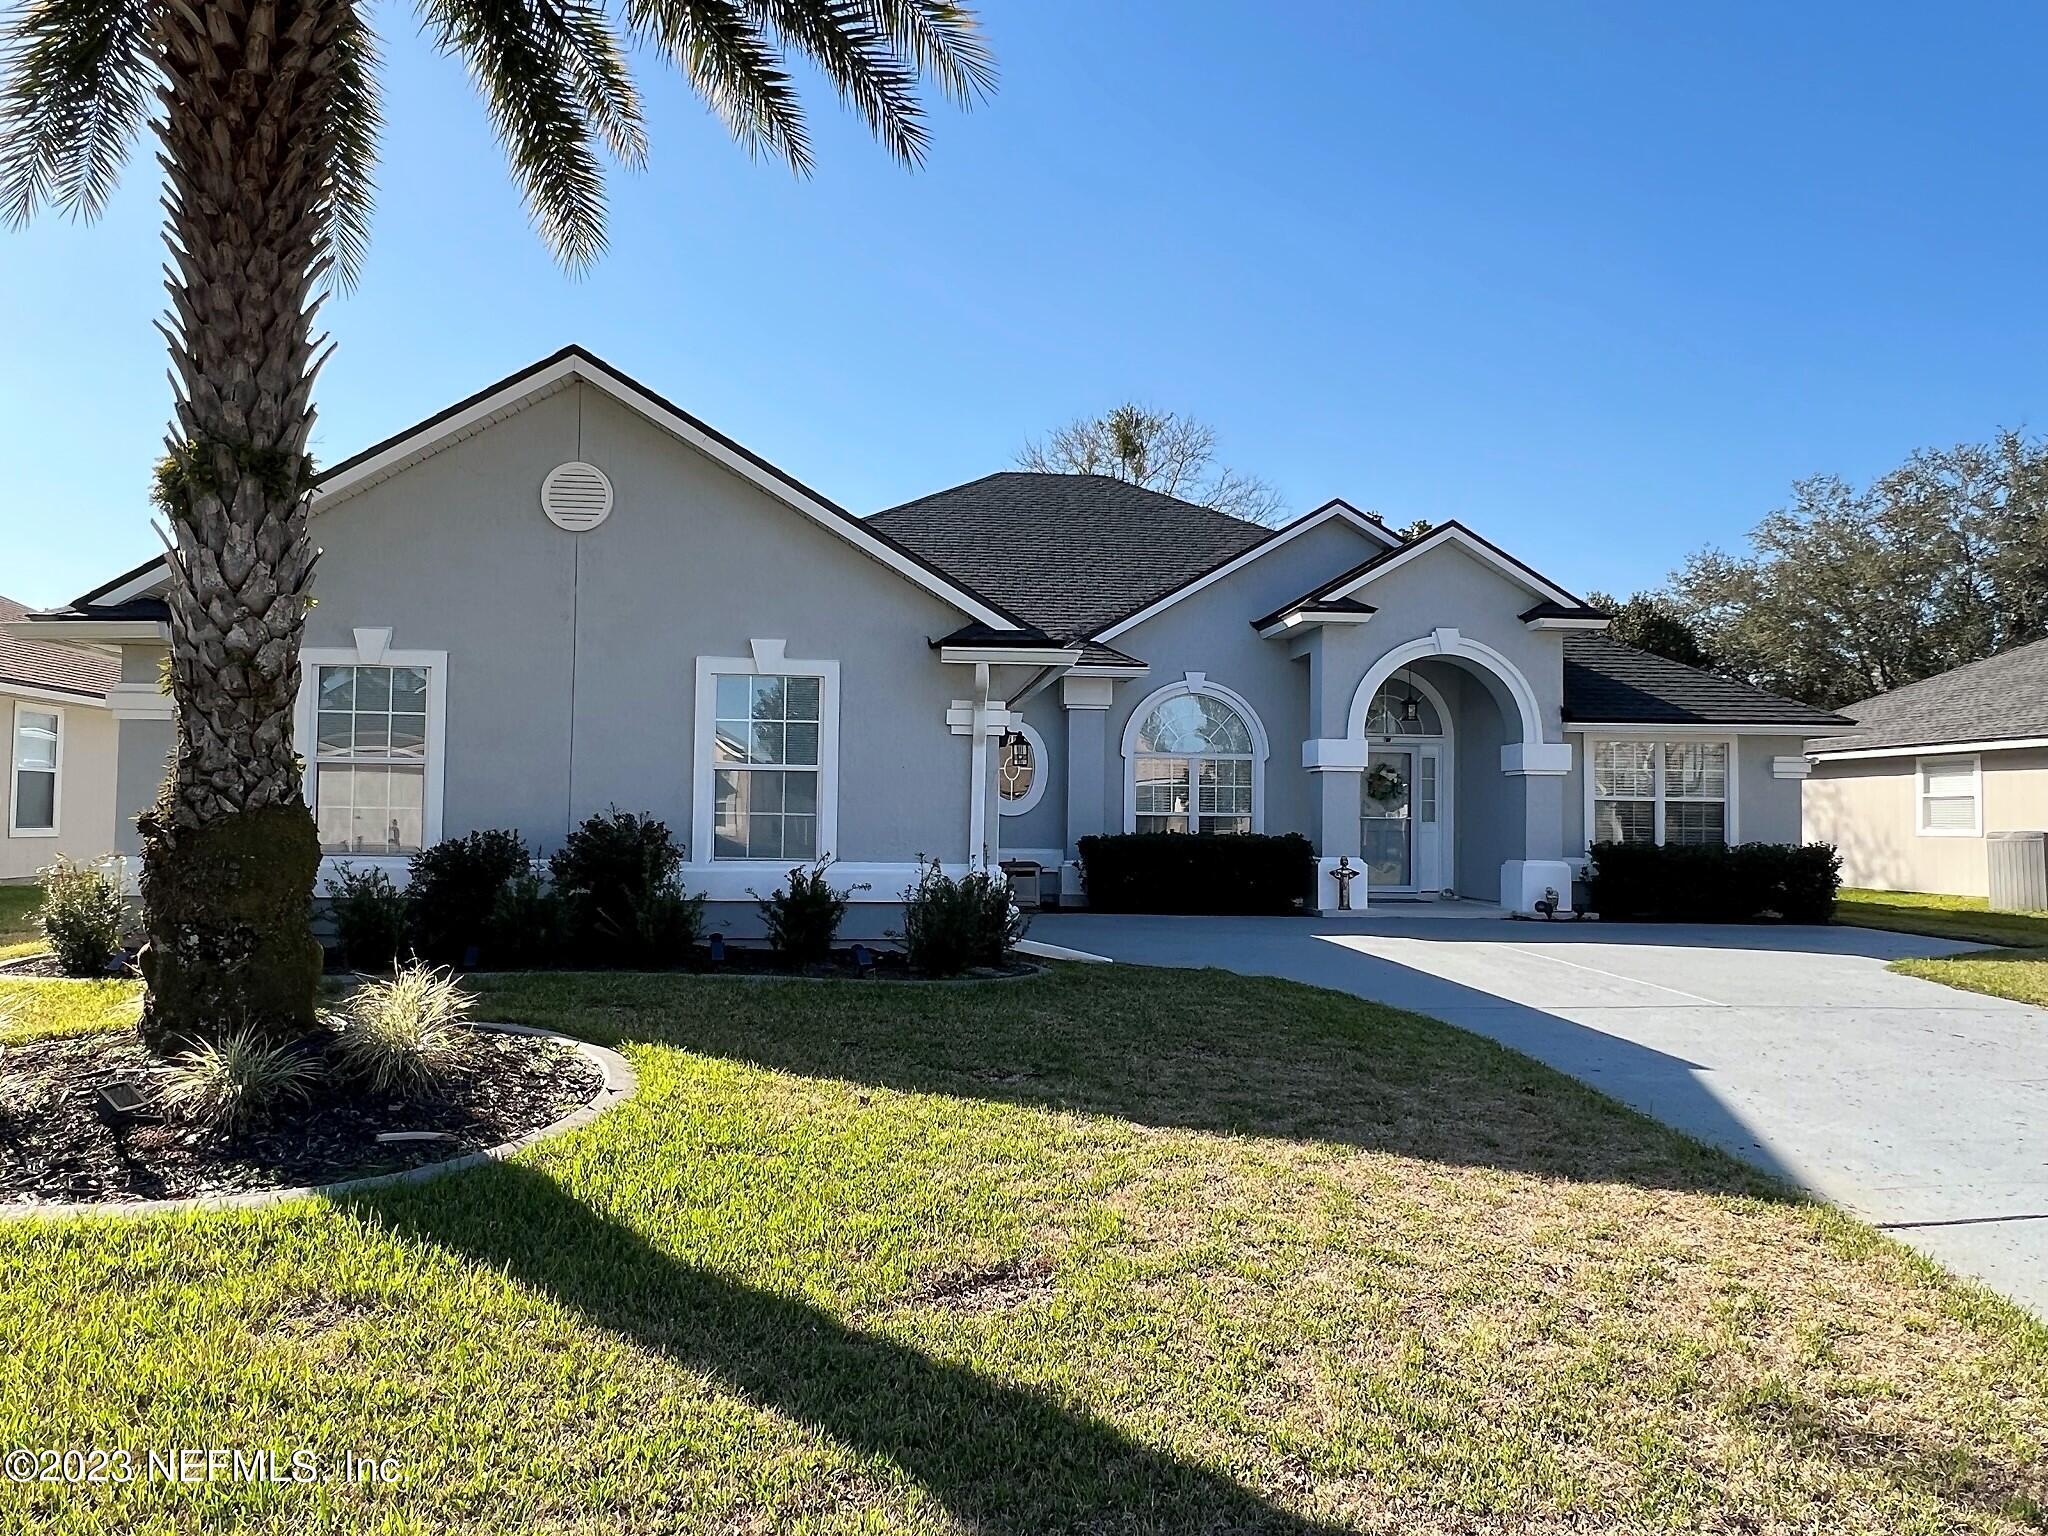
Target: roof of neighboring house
x: 1615, y: 684
x: 1068, y: 553
x: 2003, y: 697
x: 59, y: 668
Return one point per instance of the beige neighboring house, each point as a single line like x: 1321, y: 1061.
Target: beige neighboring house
x: 1909, y: 795
x: 60, y: 751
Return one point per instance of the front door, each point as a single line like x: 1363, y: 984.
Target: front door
x: 1399, y: 829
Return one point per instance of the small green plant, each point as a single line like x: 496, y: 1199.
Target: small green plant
x: 951, y: 925
x: 803, y: 915
x: 233, y: 1081
x: 454, y: 887
x: 370, y: 917
x: 655, y: 932
x: 82, y: 916
x: 403, y: 1035
x: 528, y: 927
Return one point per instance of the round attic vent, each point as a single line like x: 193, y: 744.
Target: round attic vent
x: 576, y: 496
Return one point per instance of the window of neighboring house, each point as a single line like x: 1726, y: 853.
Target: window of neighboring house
x: 370, y: 758
x: 38, y: 738
x: 1660, y: 792
x: 1191, y: 767
x: 767, y: 762
x: 1950, y: 796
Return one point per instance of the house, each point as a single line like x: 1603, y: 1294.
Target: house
x: 60, y: 751
x: 565, y: 593
x: 1909, y: 795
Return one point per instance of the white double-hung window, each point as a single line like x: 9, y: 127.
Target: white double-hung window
x: 766, y: 780
x: 36, y: 753
x: 1950, y: 795
x: 1677, y: 791
x: 371, y: 727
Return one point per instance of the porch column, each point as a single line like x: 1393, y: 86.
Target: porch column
x: 1087, y: 701
x: 1541, y: 769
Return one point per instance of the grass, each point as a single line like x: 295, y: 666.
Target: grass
x: 1943, y: 917
x: 1111, y: 1250
x: 20, y: 932
x: 33, y: 1010
x: 2019, y: 972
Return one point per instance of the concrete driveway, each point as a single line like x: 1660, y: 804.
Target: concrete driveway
x: 1921, y: 1108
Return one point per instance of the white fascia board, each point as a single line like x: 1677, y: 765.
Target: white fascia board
x: 1106, y: 671
x: 14, y: 690
x: 1928, y: 749
x: 91, y: 634
x: 1300, y: 622
x: 1716, y: 728
x: 1566, y: 623
x: 141, y: 584
x: 573, y: 369
x: 1518, y: 574
x: 1301, y: 525
x: 1007, y: 656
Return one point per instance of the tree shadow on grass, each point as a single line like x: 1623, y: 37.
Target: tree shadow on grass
x: 1006, y: 1459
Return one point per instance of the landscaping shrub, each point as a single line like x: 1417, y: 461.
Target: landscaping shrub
x: 528, y: 927
x: 617, y: 875
x: 1174, y: 872
x: 232, y: 1081
x: 803, y: 916
x: 371, y: 917
x: 454, y: 889
x: 82, y: 916
x: 952, y: 925
x: 405, y: 1034
x: 1750, y: 882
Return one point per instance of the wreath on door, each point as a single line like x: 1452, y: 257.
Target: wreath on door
x: 1384, y: 782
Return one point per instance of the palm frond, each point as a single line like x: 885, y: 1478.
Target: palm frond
x: 598, y: 65
x: 720, y: 49
x: 520, y: 60
x: 943, y: 40
x: 860, y: 60
x: 353, y: 120
x: 78, y: 78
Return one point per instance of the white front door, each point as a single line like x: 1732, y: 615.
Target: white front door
x: 1401, y: 826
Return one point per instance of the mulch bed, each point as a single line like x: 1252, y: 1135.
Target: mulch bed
x: 43, y: 965
x: 56, y: 1146
x: 882, y: 965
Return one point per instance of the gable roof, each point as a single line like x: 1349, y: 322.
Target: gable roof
x: 572, y: 365
x: 1347, y: 583
x: 1614, y: 684
x: 2001, y: 698
x: 1067, y: 553
x: 54, y: 668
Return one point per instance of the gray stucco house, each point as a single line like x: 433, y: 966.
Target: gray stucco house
x: 565, y: 593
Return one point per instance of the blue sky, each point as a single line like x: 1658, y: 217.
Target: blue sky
x: 1599, y: 279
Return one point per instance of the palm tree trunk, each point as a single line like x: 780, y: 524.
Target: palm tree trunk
x: 230, y: 852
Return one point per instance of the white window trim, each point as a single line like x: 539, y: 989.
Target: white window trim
x: 769, y: 661
x: 1194, y: 683
x: 368, y: 652
x: 1040, y: 771
x: 14, y: 828
x: 1731, y: 818
x: 1920, y: 795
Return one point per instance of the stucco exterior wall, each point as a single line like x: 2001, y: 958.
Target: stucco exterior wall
x: 1867, y: 808
x: 85, y: 791
x: 1767, y: 807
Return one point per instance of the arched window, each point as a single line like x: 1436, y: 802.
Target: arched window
x: 1400, y: 708
x: 1193, y: 763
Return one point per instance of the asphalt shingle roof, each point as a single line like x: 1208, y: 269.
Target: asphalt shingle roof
x: 1068, y: 553
x: 2000, y: 697
x: 38, y: 664
x: 1612, y: 683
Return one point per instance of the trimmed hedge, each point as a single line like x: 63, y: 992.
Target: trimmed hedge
x: 1751, y: 882
x: 1176, y: 872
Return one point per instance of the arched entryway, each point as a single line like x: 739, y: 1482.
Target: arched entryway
x: 1407, y: 797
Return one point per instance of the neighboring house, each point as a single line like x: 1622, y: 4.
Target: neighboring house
x: 60, y: 750
x: 564, y: 593
x: 1929, y: 769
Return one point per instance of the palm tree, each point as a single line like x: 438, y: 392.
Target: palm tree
x: 267, y: 118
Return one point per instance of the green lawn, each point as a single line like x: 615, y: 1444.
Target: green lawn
x: 1113, y: 1250
x: 2019, y: 972
x: 20, y: 933
x: 1944, y: 917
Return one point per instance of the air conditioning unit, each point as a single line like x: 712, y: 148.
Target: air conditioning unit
x: 2018, y: 871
